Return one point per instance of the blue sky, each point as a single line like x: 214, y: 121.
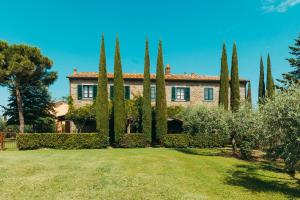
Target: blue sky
x: 192, y: 32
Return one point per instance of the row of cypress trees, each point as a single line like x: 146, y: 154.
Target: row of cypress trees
x: 102, y: 104
x: 264, y: 91
x: 234, y: 82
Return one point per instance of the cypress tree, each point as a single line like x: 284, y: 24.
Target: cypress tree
x: 118, y: 97
x: 224, y: 83
x: 161, y: 104
x: 234, y: 82
x: 261, y: 86
x: 147, y: 112
x: 102, y: 115
x: 249, y: 96
x: 270, y: 84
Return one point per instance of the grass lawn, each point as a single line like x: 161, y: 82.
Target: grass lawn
x: 151, y: 173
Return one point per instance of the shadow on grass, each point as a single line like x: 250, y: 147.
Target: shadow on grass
x: 205, y: 152
x: 248, y: 177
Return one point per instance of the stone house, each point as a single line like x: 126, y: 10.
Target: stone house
x: 181, y: 89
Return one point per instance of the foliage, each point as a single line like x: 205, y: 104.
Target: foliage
x: 102, y: 112
x: 245, y: 127
x: 22, y: 66
x: 147, y: 113
x: 134, y: 112
x: 270, y: 87
x: 294, y: 75
x: 81, y: 116
x: 200, y: 120
x: 174, y: 111
x: 224, y: 82
x: 261, y: 86
x: 134, y: 140
x: 208, y: 140
x: 118, y: 98
x: 161, y: 103
x: 175, y: 140
x: 37, y: 107
x: 30, y: 141
x: 2, y: 124
x: 234, y: 82
x: 281, y: 116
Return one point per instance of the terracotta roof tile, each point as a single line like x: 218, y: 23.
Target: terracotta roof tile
x: 171, y: 77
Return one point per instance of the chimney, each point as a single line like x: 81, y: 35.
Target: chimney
x: 75, y: 71
x: 168, y: 70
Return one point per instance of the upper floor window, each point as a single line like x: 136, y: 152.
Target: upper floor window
x: 208, y: 94
x: 87, y: 91
x: 180, y: 94
x: 153, y: 93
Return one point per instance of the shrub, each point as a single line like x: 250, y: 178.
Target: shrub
x: 206, y: 140
x: 133, y: 140
x: 207, y: 126
x: 61, y: 141
x: 175, y: 140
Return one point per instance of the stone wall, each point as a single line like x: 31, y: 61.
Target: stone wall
x: 136, y: 88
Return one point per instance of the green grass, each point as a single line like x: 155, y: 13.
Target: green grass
x: 151, y: 173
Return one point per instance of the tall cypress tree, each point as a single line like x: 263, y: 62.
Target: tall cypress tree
x: 147, y: 112
x: 234, y: 82
x: 102, y: 114
x: 118, y: 97
x: 249, y: 96
x: 224, y: 83
x: 270, y: 84
x: 261, y: 86
x: 161, y: 104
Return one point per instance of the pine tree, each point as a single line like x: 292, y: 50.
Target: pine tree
x: 270, y: 84
x: 102, y: 114
x: 294, y: 75
x: 161, y: 104
x: 234, y: 82
x: 147, y: 112
x: 261, y: 86
x: 249, y: 96
x: 224, y: 83
x: 118, y: 97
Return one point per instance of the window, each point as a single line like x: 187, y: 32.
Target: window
x: 179, y: 93
x: 87, y: 91
x: 153, y: 93
x: 126, y: 92
x: 208, y: 94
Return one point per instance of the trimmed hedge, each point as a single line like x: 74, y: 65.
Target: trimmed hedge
x: 208, y: 140
x: 175, y: 140
x: 133, y: 140
x: 30, y: 141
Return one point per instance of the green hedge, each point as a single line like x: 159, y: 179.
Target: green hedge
x: 29, y: 141
x: 176, y: 140
x: 133, y: 140
x: 208, y: 140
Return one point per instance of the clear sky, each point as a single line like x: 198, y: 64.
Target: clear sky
x: 192, y: 32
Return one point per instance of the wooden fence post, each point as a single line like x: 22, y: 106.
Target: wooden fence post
x: 1, y: 141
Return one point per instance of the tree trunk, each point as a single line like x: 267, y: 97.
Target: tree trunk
x: 233, y: 143
x: 20, y: 108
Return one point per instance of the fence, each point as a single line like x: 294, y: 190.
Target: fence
x: 8, y: 141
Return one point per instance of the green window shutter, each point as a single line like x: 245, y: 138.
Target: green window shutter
x: 79, y: 92
x: 127, y: 92
x: 173, y: 94
x: 111, y: 92
x: 94, y: 91
x: 187, y: 94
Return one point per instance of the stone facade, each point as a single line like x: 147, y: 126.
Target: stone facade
x: 136, y: 88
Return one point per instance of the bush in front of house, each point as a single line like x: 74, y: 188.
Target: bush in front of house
x: 133, y: 140
x: 208, y: 140
x: 31, y: 141
x: 175, y: 140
